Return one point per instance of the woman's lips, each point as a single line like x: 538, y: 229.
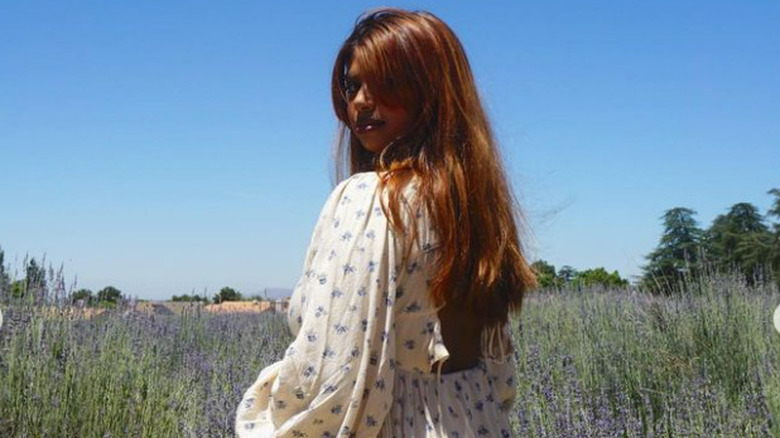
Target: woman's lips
x: 368, y: 126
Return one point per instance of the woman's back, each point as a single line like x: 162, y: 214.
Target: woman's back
x: 369, y: 341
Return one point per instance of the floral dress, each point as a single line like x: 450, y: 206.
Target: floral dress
x: 367, y: 337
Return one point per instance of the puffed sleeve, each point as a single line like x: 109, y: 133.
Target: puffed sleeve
x: 336, y: 378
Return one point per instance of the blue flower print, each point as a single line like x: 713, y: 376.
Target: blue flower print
x: 413, y: 307
x: 330, y: 388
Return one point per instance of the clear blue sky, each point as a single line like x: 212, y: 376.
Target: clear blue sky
x: 165, y: 147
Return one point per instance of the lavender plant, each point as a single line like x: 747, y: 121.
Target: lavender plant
x: 591, y: 363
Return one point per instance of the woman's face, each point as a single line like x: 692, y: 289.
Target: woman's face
x: 374, y: 123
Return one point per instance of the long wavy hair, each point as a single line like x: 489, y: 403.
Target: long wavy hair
x: 414, y: 59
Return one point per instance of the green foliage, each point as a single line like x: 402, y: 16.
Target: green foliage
x: 739, y: 239
x: 35, y: 276
x: 83, y: 294
x: 227, y: 294
x: 545, y: 274
x: 18, y: 289
x: 599, y: 277
x: 571, y: 278
x: 258, y: 297
x: 773, y: 240
x: 677, y: 254
x: 109, y: 295
x: 5, y: 279
x: 190, y: 298
x: 566, y: 274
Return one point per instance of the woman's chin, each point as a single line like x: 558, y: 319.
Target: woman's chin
x: 372, y: 147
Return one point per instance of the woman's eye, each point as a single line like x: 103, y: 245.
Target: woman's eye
x: 351, y: 87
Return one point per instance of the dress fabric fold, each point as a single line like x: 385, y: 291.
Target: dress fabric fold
x: 367, y: 336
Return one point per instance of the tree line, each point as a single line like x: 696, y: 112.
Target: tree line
x: 38, y: 286
x: 741, y: 241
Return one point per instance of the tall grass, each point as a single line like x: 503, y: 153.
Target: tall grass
x: 601, y: 363
x: 126, y: 375
x: 617, y: 363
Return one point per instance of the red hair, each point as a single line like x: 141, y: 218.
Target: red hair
x: 415, y: 60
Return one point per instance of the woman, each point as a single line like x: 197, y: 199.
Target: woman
x: 401, y: 313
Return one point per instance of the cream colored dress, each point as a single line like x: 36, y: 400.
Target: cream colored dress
x: 367, y: 336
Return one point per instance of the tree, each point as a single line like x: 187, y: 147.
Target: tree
x: 109, y: 295
x: 739, y: 240
x: 18, y: 289
x: 83, y: 294
x: 599, y: 276
x: 35, y: 280
x: 566, y: 274
x: 190, y: 298
x: 677, y: 253
x: 227, y: 294
x: 773, y: 258
x: 775, y: 209
x: 5, y: 279
x: 545, y: 274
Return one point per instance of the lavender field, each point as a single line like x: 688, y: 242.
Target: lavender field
x: 591, y: 363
